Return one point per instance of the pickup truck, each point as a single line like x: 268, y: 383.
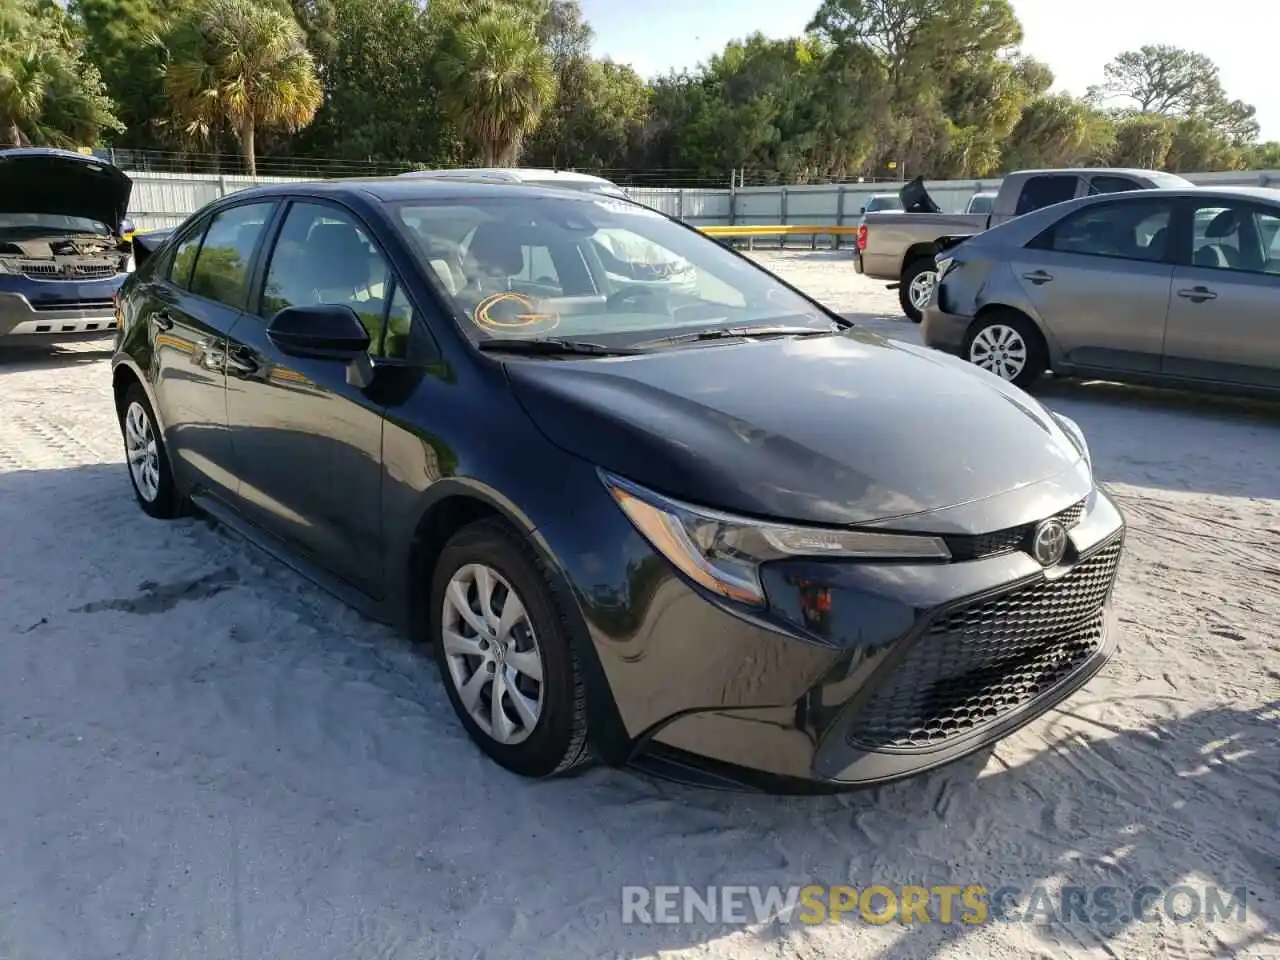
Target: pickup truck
x: 901, y: 246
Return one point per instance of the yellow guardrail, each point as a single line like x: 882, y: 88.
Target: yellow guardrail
x: 781, y: 231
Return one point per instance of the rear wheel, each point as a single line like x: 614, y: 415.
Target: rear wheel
x: 1007, y: 344
x: 504, y: 652
x: 147, y: 458
x: 918, y: 281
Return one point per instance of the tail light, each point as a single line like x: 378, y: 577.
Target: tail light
x: 118, y: 309
x: 862, y: 238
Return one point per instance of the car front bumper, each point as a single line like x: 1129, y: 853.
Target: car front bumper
x: 860, y: 673
x: 942, y: 330
x: 25, y: 320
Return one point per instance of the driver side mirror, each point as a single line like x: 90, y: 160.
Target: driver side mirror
x: 862, y: 210
x: 324, y: 331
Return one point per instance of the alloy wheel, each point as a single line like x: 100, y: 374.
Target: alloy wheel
x: 999, y: 349
x: 492, y: 653
x: 142, y: 451
x: 921, y: 288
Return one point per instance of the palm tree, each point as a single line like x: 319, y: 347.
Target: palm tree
x: 242, y: 63
x: 497, y: 79
x: 49, y: 92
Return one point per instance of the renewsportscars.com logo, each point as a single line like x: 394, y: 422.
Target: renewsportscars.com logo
x: 970, y: 904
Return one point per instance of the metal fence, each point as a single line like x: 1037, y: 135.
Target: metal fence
x: 165, y: 199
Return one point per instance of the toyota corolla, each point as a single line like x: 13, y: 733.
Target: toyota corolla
x: 712, y: 529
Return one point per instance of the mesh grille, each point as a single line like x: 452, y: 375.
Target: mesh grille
x: 46, y: 306
x: 979, y: 662
x: 44, y: 270
x: 1007, y: 540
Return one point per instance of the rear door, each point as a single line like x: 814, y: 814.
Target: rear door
x: 1224, y: 318
x: 1100, y: 280
x: 195, y: 301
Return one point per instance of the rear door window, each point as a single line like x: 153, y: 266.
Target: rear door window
x: 222, y: 267
x: 1044, y: 191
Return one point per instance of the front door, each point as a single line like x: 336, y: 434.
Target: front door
x: 1100, y: 280
x: 195, y: 299
x: 1224, y: 323
x: 308, y: 444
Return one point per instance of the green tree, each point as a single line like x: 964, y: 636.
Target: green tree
x: 1059, y: 131
x: 937, y: 59
x: 496, y: 79
x: 381, y: 96
x: 1143, y: 140
x: 242, y: 64
x: 50, y: 93
x: 1159, y: 78
x: 599, y: 114
x: 1174, y: 82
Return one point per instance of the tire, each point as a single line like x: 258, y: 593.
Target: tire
x: 997, y: 335
x: 151, y: 476
x: 556, y: 742
x: 913, y: 271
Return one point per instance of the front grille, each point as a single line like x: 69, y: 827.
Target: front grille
x: 976, y: 547
x: 977, y: 663
x: 91, y: 271
x: 45, y: 270
x: 48, y: 306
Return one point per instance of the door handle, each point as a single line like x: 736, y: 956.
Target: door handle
x: 1038, y: 277
x: 1198, y: 294
x: 241, y: 361
x: 162, y: 320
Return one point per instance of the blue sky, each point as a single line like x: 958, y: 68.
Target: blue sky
x: 1076, y: 39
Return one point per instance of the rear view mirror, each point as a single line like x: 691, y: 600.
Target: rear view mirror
x: 862, y: 210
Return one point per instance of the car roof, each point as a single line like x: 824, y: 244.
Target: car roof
x: 399, y: 188
x: 509, y: 175
x: 1267, y: 194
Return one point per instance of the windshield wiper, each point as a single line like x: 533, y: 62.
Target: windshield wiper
x: 550, y: 346
x: 737, y: 333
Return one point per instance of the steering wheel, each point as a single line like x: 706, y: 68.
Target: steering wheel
x: 634, y: 295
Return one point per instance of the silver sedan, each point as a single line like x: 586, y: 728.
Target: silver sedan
x: 1170, y: 287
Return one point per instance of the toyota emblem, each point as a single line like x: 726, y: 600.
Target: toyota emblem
x: 1050, y: 543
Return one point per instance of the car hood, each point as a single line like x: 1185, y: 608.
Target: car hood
x: 63, y: 183
x: 845, y: 429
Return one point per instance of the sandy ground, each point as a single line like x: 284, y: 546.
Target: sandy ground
x: 203, y: 756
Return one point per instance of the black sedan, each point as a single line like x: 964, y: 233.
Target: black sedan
x: 711, y: 528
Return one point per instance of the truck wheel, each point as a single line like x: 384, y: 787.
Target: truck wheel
x: 1006, y: 343
x: 918, y: 281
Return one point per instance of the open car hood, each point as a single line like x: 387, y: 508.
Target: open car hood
x: 62, y: 183
x: 915, y: 198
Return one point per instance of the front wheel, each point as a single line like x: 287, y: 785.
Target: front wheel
x: 1009, y: 345
x: 504, y: 652
x: 918, y: 281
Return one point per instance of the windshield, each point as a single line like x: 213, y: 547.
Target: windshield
x: 592, y: 268
x: 981, y: 203
x: 39, y: 223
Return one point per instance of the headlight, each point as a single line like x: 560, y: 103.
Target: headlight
x: 130, y: 265
x: 1075, y: 434
x: 723, y: 553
